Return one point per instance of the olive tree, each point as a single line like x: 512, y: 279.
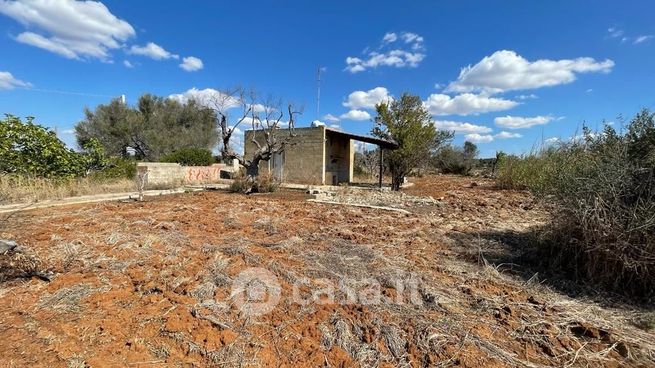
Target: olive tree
x: 155, y: 127
x: 267, y: 135
x: 407, y: 122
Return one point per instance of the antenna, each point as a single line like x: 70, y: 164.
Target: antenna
x: 318, y: 93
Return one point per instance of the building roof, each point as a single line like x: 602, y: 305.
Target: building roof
x: 364, y: 138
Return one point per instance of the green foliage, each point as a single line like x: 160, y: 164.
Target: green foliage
x: 155, y: 127
x: 116, y: 168
x: 408, y: 123
x: 32, y: 150
x: 603, y: 186
x: 190, y: 157
x: 456, y: 160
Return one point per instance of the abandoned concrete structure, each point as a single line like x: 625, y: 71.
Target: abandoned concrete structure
x: 317, y: 155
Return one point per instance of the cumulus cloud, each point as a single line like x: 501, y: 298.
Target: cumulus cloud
x: 357, y: 115
x: 153, y: 51
x: 507, y: 135
x: 389, y: 37
x: 331, y: 118
x: 486, y: 138
x: 518, y: 122
x: 205, y: 97
x: 466, y: 104
x: 367, y: 99
x: 72, y: 29
x: 8, y: 81
x: 191, y: 64
x: 128, y: 64
x: 459, y: 127
x: 479, y: 138
x: 405, y: 50
x: 507, y: 71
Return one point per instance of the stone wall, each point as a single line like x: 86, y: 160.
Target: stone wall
x: 161, y: 174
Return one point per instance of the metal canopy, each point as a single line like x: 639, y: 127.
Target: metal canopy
x: 364, y: 138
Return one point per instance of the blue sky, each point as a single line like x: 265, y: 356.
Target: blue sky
x: 505, y: 74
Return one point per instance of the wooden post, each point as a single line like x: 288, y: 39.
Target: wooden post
x: 381, y: 164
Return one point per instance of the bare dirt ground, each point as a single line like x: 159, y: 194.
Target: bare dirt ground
x: 147, y: 284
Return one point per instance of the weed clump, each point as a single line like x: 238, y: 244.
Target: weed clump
x: 263, y: 183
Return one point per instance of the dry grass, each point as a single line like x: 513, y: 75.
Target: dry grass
x: 20, y: 189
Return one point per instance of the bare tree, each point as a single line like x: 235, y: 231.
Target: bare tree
x: 267, y: 136
x: 236, y: 99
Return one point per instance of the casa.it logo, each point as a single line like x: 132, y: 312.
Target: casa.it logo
x: 256, y: 291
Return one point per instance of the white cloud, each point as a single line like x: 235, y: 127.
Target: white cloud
x: 531, y: 96
x: 331, y: 118
x: 247, y: 122
x: 479, y: 138
x: 389, y: 37
x: 398, y: 56
x: 552, y: 140
x: 153, y: 51
x: 73, y: 29
x: 128, y: 64
x: 641, y: 39
x: 367, y: 99
x: 356, y: 115
x: 459, y: 127
x: 518, y: 122
x: 191, y: 64
x: 615, y: 32
x: 507, y: 71
x: 412, y: 38
x: 7, y: 81
x: 466, y: 104
x: 589, y: 90
x: 205, y: 97
x: 507, y: 135
x: 68, y: 131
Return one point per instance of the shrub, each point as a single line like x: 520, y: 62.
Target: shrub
x: 33, y: 150
x: 603, y: 186
x: 190, y: 157
x: 117, y: 168
x: 264, y: 183
x: 456, y: 160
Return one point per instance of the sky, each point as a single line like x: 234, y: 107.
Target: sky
x: 506, y: 75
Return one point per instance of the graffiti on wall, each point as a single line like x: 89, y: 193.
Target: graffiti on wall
x: 195, y: 174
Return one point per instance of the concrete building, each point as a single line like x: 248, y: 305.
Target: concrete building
x: 316, y: 155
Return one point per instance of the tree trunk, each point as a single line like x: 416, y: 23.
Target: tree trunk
x: 252, y: 169
x: 396, y: 181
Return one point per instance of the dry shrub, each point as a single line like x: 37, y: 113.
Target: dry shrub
x: 603, y: 186
x: 263, y: 183
x: 16, y: 189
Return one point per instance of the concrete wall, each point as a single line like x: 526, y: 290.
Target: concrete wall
x: 162, y: 174
x: 303, y: 158
x: 339, y: 159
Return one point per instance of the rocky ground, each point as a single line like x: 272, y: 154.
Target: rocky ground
x: 161, y: 283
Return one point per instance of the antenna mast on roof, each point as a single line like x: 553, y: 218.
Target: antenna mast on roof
x: 318, y: 93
